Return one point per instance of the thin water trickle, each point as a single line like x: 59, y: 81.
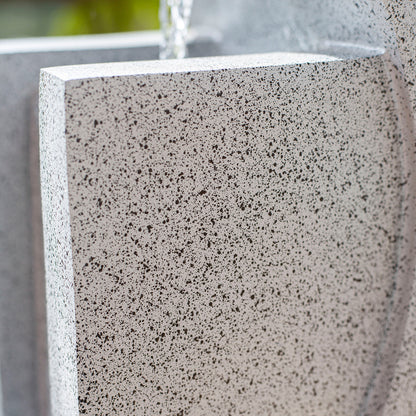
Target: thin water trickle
x: 174, y: 16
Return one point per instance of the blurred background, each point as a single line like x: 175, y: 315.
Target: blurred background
x: 21, y: 18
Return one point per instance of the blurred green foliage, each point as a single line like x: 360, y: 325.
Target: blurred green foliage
x: 21, y: 19
x: 74, y: 17
x: 105, y: 16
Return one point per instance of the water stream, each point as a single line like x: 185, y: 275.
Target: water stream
x: 174, y: 16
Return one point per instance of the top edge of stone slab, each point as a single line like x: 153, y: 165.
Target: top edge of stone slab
x: 79, y: 42
x: 78, y: 72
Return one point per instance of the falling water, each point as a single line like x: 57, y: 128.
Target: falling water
x: 174, y: 16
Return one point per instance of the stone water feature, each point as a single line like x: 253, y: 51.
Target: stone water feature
x: 235, y: 234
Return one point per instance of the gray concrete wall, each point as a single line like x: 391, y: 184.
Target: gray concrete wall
x: 1, y: 400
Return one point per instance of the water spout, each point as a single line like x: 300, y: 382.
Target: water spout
x: 174, y: 16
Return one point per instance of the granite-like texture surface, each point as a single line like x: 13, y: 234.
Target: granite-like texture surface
x: 239, y: 236
x: 402, y: 16
x: 402, y: 397
x: 295, y: 25
x: 22, y: 308
x: 58, y: 255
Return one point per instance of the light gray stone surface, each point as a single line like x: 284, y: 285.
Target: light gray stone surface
x: 1, y: 399
x: 58, y: 254
x: 295, y: 25
x: 402, y: 397
x: 402, y: 15
x: 226, y: 236
x: 22, y: 309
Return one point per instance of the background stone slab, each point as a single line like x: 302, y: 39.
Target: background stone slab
x: 402, y: 397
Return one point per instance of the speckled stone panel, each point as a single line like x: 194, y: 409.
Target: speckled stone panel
x: 58, y: 256
x: 402, y: 15
x: 402, y: 397
x: 234, y: 233
x: 296, y: 25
